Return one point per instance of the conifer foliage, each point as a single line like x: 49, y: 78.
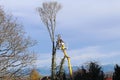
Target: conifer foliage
x: 116, y: 74
x: 92, y: 71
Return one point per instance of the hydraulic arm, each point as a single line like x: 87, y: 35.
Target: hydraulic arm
x: 61, y: 46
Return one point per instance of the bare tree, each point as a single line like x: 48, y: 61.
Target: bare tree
x: 14, y: 46
x: 48, y: 16
x: 1, y: 15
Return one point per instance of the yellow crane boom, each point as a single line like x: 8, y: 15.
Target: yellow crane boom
x: 69, y: 62
x: 61, y: 45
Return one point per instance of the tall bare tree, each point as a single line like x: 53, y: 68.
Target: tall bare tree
x: 14, y: 46
x: 48, y: 13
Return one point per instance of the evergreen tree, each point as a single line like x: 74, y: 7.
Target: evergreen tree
x: 80, y: 74
x: 95, y: 72
x: 116, y: 74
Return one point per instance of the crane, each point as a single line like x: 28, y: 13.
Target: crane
x: 61, y: 45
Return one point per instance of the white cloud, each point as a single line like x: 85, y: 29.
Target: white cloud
x: 43, y: 60
x: 79, y: 16
x: 81, y: 21
x: 81, y: 56
x: 79, y: 9
x: 93, y: 53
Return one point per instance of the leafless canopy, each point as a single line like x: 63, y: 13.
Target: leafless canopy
x: 14, y: 46
x: 48, y: 16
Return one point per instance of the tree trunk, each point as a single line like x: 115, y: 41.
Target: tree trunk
x: 53, y: 61
x: 61, y: 66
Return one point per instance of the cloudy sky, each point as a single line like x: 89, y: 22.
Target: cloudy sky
x: 90, y: 28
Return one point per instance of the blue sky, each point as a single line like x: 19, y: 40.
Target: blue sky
x: 90, y: 28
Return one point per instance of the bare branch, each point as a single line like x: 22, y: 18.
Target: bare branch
x: 14, y: 46
x: 48, y: 13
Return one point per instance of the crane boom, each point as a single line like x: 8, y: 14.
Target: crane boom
x: 61, y: 45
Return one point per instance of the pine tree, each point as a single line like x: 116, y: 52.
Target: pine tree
x: 92, y: 71
x: 95, y: 72
x: 80, y: 74
x: 116, y: 74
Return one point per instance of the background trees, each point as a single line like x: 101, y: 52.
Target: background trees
x: 81, y: 74
x: 116, y: 74
x: 95, y: 71
x: 48, y: 16
x: 14, y: 46
x: 34, y: 75
x: 91, y: 71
